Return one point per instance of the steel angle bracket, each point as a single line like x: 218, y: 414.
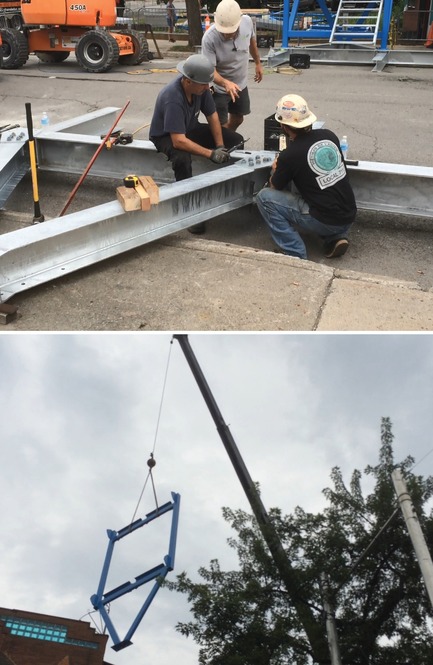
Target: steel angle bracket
x: 102, y: 598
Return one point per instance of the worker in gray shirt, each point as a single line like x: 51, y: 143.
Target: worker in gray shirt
x: 227, y: 45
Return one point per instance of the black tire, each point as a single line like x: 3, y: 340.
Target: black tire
x: 141, y: 49
x: 52, y: 56
x: 16, y: 22
x: 15, y: 49
x: 97, y: 51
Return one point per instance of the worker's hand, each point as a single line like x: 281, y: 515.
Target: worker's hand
x: 259, y: 73
x: 219, y: 155
x: 232, y: 89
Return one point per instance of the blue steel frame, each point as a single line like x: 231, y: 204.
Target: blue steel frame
x: 289, y: 18
x: 158, y: 573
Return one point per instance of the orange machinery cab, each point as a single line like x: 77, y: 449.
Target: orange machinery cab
x: 61, y: 12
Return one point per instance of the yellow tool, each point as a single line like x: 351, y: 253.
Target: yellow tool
x: 131, y: 181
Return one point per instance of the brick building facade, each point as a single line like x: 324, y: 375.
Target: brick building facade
x: 27, y: 638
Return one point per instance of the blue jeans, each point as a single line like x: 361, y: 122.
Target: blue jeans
x: 281, y: 209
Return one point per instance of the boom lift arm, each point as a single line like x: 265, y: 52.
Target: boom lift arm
x: 313, y: 629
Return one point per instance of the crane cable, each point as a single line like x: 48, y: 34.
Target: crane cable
x: 151, y: 461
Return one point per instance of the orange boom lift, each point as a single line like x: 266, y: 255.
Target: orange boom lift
x: 52, y: 29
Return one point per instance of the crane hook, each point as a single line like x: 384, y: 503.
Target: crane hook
x: 151, y: 461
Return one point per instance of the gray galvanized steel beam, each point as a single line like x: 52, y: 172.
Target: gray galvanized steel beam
x: 14, y: 162
x: 68, y: 147
x: 14, y: 154
x: 350, y: 55
x: 31, y: 256
x: 393, y: 188
x: 94, y: 123
x: 40, y: 253
x: 71, y: 153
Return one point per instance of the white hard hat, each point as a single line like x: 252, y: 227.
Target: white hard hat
x: 292, y: 110
x: 227, y: 16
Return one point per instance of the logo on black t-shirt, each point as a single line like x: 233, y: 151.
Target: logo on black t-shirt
x: 325, y: 160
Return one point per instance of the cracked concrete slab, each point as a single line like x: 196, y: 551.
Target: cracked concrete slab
x: 374, y: 303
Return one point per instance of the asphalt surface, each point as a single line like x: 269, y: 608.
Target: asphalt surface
x: 232, y: 278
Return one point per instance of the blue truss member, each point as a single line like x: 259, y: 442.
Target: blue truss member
x: 322, y: 201
x: 175, y: 129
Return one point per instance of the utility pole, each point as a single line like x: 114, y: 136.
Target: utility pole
x: 289, y: 576
x: 415, y: 531
x: 331, y: 628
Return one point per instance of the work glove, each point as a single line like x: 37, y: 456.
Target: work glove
x: 220, y: 155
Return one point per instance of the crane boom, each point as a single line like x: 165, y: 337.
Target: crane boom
x: 313, y: 629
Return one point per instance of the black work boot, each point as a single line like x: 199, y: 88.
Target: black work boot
x: 336, y: 248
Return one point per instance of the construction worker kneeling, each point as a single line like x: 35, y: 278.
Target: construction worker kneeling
x: 324, y: 203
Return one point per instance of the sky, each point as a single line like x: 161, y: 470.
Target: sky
x: 81, y: 414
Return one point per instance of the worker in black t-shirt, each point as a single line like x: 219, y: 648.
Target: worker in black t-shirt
x: 322, y: 200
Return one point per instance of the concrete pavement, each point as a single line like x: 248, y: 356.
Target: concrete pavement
x: 190, y: 283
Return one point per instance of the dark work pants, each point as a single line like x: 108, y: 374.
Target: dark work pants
x: 181, y: 160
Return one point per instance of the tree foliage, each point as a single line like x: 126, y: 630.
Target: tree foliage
x: 358, y: 545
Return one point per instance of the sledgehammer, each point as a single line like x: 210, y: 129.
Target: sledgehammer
x: 38, y: 217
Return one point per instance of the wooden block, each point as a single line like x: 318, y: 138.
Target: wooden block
x: 133, y: 198
x: 128, y: 198
x: 144, y: 197
x: 151, y: 188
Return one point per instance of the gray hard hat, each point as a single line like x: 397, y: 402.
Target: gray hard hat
x: 197, y: 68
